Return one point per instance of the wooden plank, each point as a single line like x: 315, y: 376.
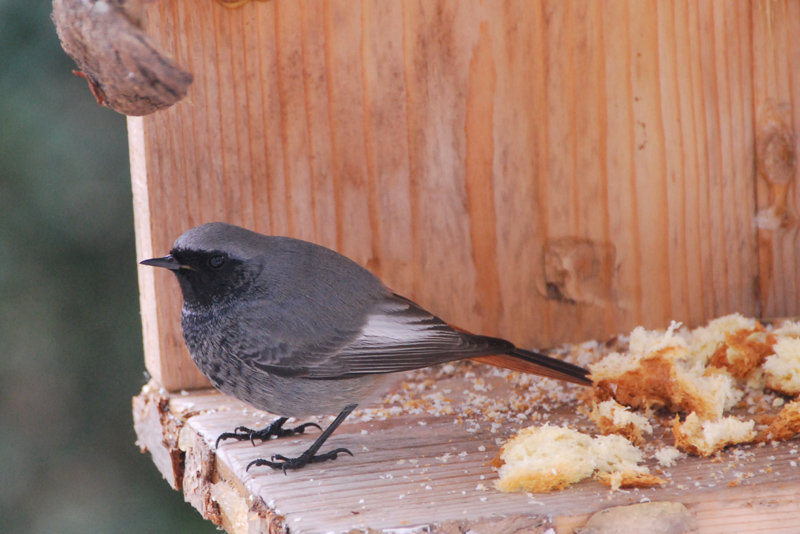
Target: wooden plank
x: 271, y: 205
x: 438, y: 39
x: 649, y: 165
x: 386, y: 141
x: 736, y: 73
x: 544, y: 170
x: 591, y: 173
x: 775, y: 86
x: 620, y: 147
x: 433, y: 469
x: 478, y: 179
x: 326, y: 189
x: 559, y: 178
x: 685, y: 165
x: 519, y: 205
x: 669, y: 65
x: 295, y: 98
x: 356, y: 197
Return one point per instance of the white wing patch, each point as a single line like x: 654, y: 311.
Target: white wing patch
x: 395, y: 329
x: 401, y: 328
x: 400, y: 336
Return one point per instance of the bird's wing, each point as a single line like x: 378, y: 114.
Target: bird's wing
x: 402, y: 336
x: 398, y: 336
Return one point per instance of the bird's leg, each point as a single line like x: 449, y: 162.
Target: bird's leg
x: 310, y: 456
x: 241, y: 433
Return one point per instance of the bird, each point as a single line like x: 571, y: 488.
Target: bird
x: 297, y: 329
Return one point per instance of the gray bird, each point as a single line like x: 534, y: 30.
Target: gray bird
x: 297, y: 329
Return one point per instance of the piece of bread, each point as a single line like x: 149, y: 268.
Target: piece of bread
x: 785, y: 425
x: 546, y: 458
x: 629, y: 479
x: 706, y: 340
x: 659, y: 371
x: 703, y: 373
x: 704, y: 438
x: 667, y: 456
x: 787, y: 328
x: 782, y: 369
x: 743, y: 351
x: 613, y: 418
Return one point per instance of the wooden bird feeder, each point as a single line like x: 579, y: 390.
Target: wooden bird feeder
x: 545, y: 171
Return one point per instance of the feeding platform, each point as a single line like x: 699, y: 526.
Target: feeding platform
x: 539, y: 170
x: 433, y: 472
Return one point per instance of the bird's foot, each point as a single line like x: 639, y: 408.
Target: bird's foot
x: 275, y: 429
x: 310, y: 456
x: 283, y: 463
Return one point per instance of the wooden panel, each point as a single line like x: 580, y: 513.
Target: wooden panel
x: 775, y: 90
x: 434, y: 473
x: 542, y: 170
x: 386, y: 140
x: 627, y: 289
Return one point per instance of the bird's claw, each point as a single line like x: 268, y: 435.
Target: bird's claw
x: 242, y: 433
x: 284, y: 464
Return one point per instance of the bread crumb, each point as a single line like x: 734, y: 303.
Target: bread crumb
x: 659, y: 371
x: 782, y: 369
x: 667, y: 456
x: 704, y: 438
x: 785, y: 425
x: 613, y: 418
x: 629, y: 479
x: 705, y: 340
x: 788, y: 329
x: 548, y: 458
x: 743, y: 351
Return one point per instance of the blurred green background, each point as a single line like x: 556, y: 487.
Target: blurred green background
x: 70, y: 333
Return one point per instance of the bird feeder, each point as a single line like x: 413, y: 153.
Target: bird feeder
x: 544, y: 171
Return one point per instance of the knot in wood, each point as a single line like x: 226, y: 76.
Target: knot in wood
x: 776, y: 149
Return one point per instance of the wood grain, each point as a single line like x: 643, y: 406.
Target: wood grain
x: 433, y: 472
x: 547, y: 171
x: 775, y: 85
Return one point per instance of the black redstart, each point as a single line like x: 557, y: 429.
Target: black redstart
x: 297, y: 329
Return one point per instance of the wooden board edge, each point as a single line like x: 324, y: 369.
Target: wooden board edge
x: 189, y: 465
x: 149, y: 410
x: 144, y: 246
x: 186, y: 458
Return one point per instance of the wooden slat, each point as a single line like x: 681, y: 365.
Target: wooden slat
x: 559, y: 123
x: 299, y: 97
x: 681, y: 79
x: 478, y: 183
x: 386, y: 141
x: 417, y: 470
x: 775, y: 86
x: 671, y: 71
x: 591, y: 173
x: 620, y: 146
x: 519, y: 205
x: 270, y: 195
x: 652, y: 202
x: 438, y: 40
x: 547, y: 171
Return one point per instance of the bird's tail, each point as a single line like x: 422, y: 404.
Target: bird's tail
x: 539, y: 364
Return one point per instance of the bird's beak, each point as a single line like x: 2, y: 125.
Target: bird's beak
x: 167, y: 262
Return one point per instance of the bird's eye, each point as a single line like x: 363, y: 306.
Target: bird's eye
x: 215, y: 262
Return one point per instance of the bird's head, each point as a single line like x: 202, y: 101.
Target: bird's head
x: 211, y: 262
